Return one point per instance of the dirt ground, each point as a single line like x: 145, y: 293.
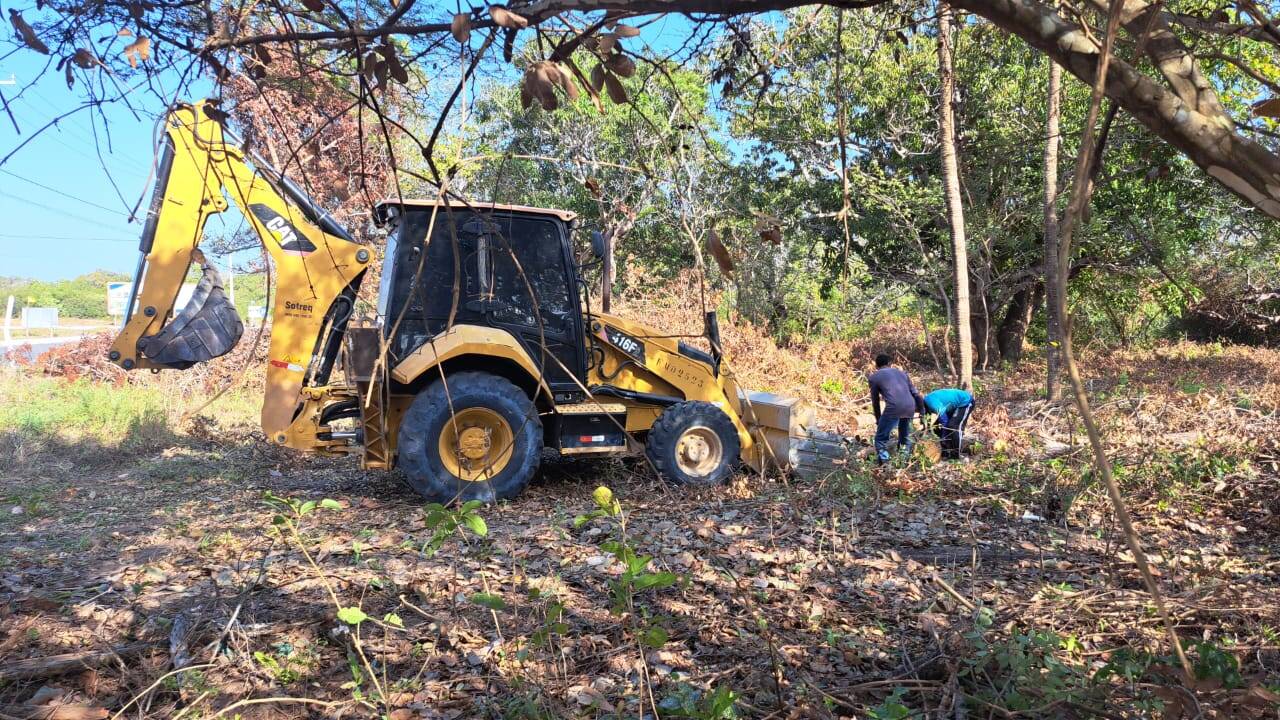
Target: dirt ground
x: 994, y: 587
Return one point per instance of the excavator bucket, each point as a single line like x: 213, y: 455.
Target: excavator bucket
x: 206, y: 328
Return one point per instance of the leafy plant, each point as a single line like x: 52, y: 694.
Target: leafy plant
x: 636, y: 577
x: 444, y: 521
x: 279, y: 668
x: 891, y: 708
x: 687, y: 701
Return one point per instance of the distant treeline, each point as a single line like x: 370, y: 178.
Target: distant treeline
x: 86, y: 296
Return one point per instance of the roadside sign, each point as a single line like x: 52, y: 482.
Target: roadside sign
x: 118, y: 294
x: 118, y: 297
x: 39, y: 317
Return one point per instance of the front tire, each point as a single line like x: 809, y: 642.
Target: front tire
x: 470, y: 436
x: 694, y: 443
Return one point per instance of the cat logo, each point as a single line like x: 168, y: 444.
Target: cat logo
x: 291, y: 241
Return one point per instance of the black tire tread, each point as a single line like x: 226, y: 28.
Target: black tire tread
x: 665, y: 433
x: 435, y: 484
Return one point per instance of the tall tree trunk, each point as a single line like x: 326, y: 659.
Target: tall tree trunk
x: 606, y: 274
x: 1052, y: 290
x: 1017, y: 318
x: 951, y: 188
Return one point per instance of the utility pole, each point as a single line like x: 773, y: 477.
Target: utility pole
x: 8, y: 315
x: 231, y: 281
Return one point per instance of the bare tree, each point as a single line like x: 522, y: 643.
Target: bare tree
x: 951, y: 190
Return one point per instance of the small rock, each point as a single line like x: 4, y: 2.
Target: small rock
x: 16, y: 510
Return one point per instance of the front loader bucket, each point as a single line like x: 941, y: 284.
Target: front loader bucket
x: 206, y: 328
x: 786, y: 430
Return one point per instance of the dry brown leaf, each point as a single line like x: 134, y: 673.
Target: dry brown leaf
x: 539, y: 85
x: 503, y: 17
x: 1267, y: 108
x: 769, y: 228
x: 719, y: 252
x: 395, y: 68
x: 27, y: 34
x: 138, y: 51
x: 313, y: 5
x: 568, y: 85
x: 626, y: 31
x: 594, y: 187
x: 70, y: 76
x: 461, y: 27
x: 264, y: 56
x: 597, y: 77
x: 125, y: 33
x: 369, y: 66
x: 606, y: 43
x: 617, y: 93
x: 621, y: 65
x: 575, y: 73
x: 84, y: 58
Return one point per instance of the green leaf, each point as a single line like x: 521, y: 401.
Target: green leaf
x: 307, y: 507
x: 581, y: 520
x: 638, y: 563
x: 654, y: 637
x: 435, y: 516
x: 603, y: 497
x: 393, y: 620
x: 330, y: 504
x: 471, y: 506
x: 352, y: 615
x: 476, y: 524
x: 493, y: 602
x: 655, y: 580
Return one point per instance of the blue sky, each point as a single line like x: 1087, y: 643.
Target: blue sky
x: 61, y: 215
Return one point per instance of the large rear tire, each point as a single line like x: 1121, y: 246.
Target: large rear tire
x: 694, y: 443
x: 471, y: 436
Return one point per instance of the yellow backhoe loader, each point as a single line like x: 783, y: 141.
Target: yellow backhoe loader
x: 484, y: 350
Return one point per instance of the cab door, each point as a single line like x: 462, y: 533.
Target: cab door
x: 532, y: 293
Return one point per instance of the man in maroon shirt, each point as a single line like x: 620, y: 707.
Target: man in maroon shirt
x: 901, y: 403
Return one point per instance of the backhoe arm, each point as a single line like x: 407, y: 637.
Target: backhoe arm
x: 318, y: 270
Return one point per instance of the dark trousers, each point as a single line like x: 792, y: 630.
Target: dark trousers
x: 884, y: 430
x: 951, y: 433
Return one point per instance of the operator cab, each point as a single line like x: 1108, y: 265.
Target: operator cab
x: 503, y: 266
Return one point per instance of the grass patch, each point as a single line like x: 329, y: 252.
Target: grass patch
x: 35, y: 405
x: 81, y: 418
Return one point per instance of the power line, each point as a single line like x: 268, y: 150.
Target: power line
x: 113, y: 211
x: 66, y: 237
x: 60, y: 211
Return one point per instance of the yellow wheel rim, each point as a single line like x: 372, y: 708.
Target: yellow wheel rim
x: 476, y: 444
x: 699, y: 451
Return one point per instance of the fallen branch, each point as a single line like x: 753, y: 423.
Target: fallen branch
x: 937, y: 579
x: 68, y: 662
x: 53, y: 712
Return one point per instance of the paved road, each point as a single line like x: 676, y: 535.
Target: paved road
x: 38, y: 345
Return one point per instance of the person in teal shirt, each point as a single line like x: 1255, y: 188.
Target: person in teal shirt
x: 953, y: 407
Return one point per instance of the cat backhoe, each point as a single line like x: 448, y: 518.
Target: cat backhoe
x: 483, y: 352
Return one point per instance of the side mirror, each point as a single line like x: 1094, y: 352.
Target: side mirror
x: 597, y: 244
